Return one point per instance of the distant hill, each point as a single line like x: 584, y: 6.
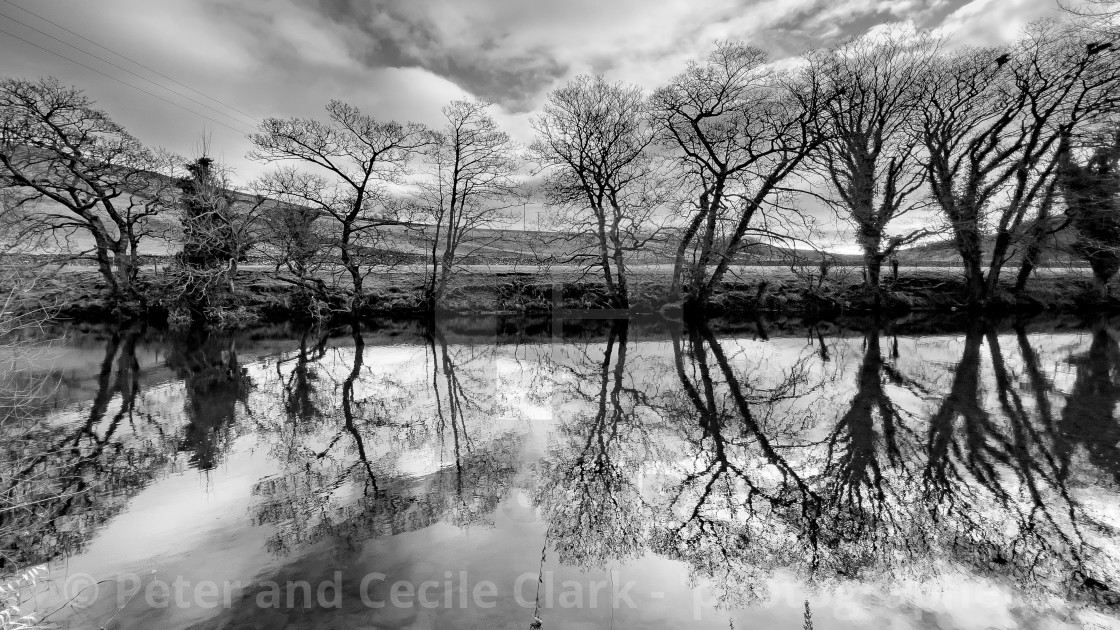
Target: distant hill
x: 1057, y: 251
x: 495, y: 245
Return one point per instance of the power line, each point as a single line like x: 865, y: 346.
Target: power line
x: 129, y: 59
x: 122, y: 68
x: 140, y: 89
x: 220, y: 112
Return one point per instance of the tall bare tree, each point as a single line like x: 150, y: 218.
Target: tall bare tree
x: 73, y: 170
x: 991, y: 122
x: 351, y: 160
x: 869, y: 161
x: 470, y: 186
x: 592, y: 140
x: 737, y: 129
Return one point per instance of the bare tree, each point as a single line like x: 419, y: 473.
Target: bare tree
x: 1100, y: 16
x: 355, y: 159
x: 293, y: 240
x: 991, y: 123
x: 592, y: 141
x: 869, y: 161
x: 471, y: 186
x: 73, y: 170
x: 738, y: 129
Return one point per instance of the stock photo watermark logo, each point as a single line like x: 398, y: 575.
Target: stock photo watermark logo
x: 454, y: 590
x: 529, y: 591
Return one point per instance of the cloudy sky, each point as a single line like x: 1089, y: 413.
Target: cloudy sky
x: 404, y: 59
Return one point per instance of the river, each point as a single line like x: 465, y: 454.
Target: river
x: 503, y: 473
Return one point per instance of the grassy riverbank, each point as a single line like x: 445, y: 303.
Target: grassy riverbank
x: 79, y: 294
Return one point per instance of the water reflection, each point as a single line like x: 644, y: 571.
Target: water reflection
x: 589, y: 485
x: 1089, y: 418
x: 855, y: 454
x: 341, y: 477
x: 743, y: 506
x: 215, y: 386
x: 61, y: 481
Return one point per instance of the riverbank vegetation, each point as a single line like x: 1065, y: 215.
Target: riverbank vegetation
x: 660, y: 200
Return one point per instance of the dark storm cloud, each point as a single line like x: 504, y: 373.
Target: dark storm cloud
x: 404, y: 35
x: 513, y: 52
x: 404, y: 59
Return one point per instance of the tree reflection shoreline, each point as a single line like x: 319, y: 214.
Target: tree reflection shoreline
x: 724, y: 446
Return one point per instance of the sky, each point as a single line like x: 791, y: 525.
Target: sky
x: 405, y: 59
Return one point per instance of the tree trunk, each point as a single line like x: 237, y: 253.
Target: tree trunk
x: 623, y: 298
x: 452, y: 234
x: 1101, y: 285
x: 359, y: 294
x: 1025, y: 271
x: 105, y: 266
x: 697, y: 296
x: 604, y: 254
x: 874, y: 261
x: 1102, y: 273
x: 124, y: 263
x: 445, y: 275
x: 352, y: 268
x: 686, y: 240
x: 974, y: 283
x: 972, y: 259
x: 699, y: 290
x: 734, y: 241
x: 1039, y: 231
x: 995, y: 267
x: 430, y: 290
x: 1030, y: 257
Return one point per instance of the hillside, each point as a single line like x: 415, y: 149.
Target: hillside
x: 1057, y: 252
x: 481, y: 246
x: 497, y: 245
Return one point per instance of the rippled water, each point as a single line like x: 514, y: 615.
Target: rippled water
x: 485, y: 473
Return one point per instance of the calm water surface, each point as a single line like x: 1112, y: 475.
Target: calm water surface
x: 478, y: 473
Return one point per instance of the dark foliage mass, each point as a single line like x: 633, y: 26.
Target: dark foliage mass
x: 1092, y: 195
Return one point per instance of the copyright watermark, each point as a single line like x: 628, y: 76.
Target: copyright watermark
x: 530, y: 591
x: 373, y: 590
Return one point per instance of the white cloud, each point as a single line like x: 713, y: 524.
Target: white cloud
x: 405, y: 59
x: 993, y: 22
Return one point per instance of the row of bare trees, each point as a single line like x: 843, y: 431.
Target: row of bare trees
x: 76, y: 182
x: 967, y: 141
x: 902, y: 135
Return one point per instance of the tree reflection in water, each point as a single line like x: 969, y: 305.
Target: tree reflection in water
x: 300, y: 403
x: 216, y: 384
x: 864, y: 489
x: 842, y: 461
x: 865, y: 450
x: 58, y: 484
x: 589, y: 483
x: 341, y: 482
x: 732, y: 513
x: 1089, y: 419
